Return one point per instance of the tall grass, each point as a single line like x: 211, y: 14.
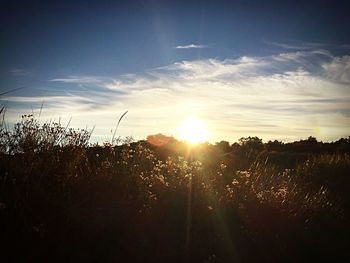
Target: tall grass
x: 62, y: 198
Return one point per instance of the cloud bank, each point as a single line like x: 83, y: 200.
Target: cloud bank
x: 286, y: 96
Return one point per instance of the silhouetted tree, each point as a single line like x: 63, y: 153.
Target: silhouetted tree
x: 224, y: 146
x: 274, y: 145
x: 251, y: 143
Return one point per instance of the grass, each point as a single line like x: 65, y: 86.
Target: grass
x: 62, y: 198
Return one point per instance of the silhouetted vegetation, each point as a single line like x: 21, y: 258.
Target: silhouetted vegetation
x: 162, y: 200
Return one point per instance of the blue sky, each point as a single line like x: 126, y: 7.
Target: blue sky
x: 278, y: 69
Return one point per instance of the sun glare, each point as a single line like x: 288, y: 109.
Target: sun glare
x: 193, y: 131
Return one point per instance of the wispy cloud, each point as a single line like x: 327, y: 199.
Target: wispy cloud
x: 80, y: 79
x: 19, y: 72
x: 191, y: 46
x: 338, y: 69
x: 300, y: 45
x: 286, y: 96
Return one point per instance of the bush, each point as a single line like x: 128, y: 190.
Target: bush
x: 63, y: 199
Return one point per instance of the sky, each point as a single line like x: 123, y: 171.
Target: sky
x: 272, y: 69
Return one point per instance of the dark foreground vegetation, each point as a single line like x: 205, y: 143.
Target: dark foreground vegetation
x: 160, y: 200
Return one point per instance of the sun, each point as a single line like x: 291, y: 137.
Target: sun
x: 193, y: 131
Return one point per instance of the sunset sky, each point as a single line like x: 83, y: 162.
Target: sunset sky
x: 272, y: 69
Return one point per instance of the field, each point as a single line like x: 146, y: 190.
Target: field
x: 161, y: 200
